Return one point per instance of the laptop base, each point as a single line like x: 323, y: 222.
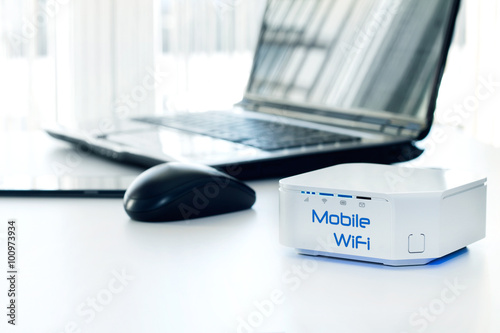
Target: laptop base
x: 273, y: 168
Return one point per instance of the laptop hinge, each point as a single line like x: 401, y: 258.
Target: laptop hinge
x: 410, y: 130
x: 393, y: 127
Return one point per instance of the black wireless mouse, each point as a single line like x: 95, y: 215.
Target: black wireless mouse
x: 179, y: 191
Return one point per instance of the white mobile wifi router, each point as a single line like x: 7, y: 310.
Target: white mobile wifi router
x: 392, y: 215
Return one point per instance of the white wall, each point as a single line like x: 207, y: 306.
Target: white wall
x: 104, y: 52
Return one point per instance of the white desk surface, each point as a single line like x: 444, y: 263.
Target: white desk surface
x: 84, y: 266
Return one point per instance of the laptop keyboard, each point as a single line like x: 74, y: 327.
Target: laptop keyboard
x: 262, y: 134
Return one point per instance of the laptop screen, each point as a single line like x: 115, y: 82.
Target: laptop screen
x: 378, y: 58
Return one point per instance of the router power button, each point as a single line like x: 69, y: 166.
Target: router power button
x: 416, y: 243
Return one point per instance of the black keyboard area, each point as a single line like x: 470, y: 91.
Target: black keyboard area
x: 262, y: 134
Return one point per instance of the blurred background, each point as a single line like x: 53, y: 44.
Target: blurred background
x: 72, y: 60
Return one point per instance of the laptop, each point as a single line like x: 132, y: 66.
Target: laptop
x: 331, y: 82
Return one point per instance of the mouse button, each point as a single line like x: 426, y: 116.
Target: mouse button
x: 158, y: 180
